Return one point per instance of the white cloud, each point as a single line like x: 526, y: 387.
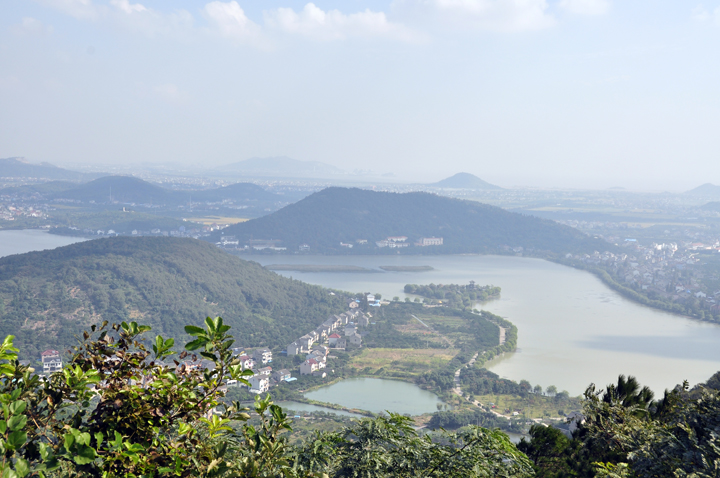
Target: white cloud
x: 81, y: 9
x: 700, y: 14
x: 32, y: 26
x: 125, y: 6
x: 314, y: 22
x: 231, y: 21
x: 494, y: 15
x: 585, y: 7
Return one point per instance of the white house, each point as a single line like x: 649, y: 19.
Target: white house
x: 308, y: 367
x: 263, y: 355
x: 246, y: 362
x: 51, y: 361
x: 259, y: 384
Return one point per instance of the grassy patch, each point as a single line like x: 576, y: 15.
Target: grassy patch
x: 533, y: 406
x: 408, y: 362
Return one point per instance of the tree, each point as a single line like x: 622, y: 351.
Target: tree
x: 551, y: 390
x: 122, y: 407
x: 549, y: 450
x: 538, y: 390
x: 142, y: 417
x: 390, y: 447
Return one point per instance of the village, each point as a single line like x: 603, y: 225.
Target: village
x: 336, y: 332
x: 664, y: 271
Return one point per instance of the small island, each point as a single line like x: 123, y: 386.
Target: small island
x: 407, y: 268
x: 317, y: 268
x: 454, y: 295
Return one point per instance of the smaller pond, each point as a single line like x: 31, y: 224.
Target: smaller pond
x: 302, y: 408
x: 378, y: 395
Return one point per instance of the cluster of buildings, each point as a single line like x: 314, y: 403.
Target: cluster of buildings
x: 667, y: 270
x: 263, y: 376
x: 10, y: 212
x: 336, y: 332
x: 401, y: 241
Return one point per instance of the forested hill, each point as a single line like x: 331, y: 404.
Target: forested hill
x: 326, y: 218
x: 127, y: 189
x: 47, y: 298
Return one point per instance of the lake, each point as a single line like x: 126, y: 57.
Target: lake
x: 378, y: 395
x: 28, y: 240
x: 302, y: 408
x: 573, y: 329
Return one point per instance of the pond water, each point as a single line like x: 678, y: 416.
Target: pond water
x: 573, y: 329
x: 302, y: 408
x: 28, y: 240
x: 378, y: 395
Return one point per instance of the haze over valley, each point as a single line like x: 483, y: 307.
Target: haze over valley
x: 380, y: 239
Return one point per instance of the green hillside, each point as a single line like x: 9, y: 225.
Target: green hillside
x: 235, y: 192
x: 124, y: 189
x: 127, y: 189
x: 324, y: 219
x: 39, y: 190
x: 48, y: 297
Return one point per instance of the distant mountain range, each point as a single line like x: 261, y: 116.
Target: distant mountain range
x: 20, y: 168
x: 127, y: 189
x: 282, y: 166
x: 706, y: 190
x: 464, y: 181
x: 325, y: 219
x: 49, y: 297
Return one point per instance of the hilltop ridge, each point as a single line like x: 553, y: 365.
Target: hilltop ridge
x: 337, y: 215
x: 48, y: 297
x: 20, y: 168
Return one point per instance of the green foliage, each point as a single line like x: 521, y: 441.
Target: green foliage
x: 480, y: 381
x: 390, y: 447
x: 454, y: 295
x: 59, y: 293
x: 117, y: 410
x: 625, y: 434
x: 334, y: 215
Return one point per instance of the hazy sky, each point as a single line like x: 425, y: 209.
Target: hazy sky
x: 585, y: 93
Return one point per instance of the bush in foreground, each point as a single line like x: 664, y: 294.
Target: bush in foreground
x: 124, y: 408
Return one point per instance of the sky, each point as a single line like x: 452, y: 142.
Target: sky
x: 542, y: 93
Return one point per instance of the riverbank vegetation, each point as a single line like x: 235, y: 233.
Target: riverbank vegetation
x: 454, y: 295
x: 317, y: 268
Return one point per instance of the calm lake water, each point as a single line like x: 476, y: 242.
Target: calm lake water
x: 378, y: 395
x: 302, y: 408
x: 28, y: 240
x: 573, y: 329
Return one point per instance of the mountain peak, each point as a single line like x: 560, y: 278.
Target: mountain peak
x: 464, y: 181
